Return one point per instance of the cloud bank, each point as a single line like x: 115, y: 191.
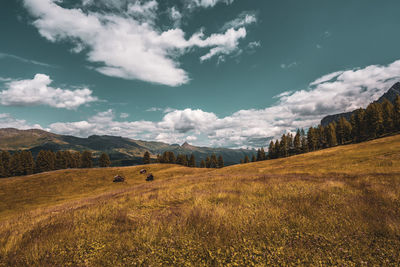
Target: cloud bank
x: 128, y: 44
x: 39, y: 92
x: 333, y: 93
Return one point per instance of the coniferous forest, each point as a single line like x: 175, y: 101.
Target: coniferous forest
x: 22, y: 162
x: 377, y: 120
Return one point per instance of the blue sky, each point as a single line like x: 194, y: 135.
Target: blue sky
x: 231, y: 73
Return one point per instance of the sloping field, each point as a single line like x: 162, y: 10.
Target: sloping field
x: 338, y: 206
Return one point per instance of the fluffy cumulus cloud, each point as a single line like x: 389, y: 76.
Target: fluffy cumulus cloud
x: 337, y: 92
x: 8, y: 121
x: 127, y: 43
x: 38, y: 91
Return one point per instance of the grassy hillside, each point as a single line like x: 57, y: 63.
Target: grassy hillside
x: 338, y: 206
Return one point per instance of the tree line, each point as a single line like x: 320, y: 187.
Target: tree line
x: 22, y: 162
x: 185, y: 160
x: 377, y: 120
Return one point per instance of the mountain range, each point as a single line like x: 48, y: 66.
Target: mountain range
x: 122, y: 151
x: 390, y: 95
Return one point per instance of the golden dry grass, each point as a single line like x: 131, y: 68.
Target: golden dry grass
x: 340, y: 206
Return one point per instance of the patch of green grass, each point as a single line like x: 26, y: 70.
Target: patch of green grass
x: 339, y: 206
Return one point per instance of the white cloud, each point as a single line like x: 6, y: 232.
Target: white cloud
x: 338, y: 92
x: 129, y: 45
x: 124, y: 115
x: 244, y: 19
x: 288, y: 66
x: 8, y: 121
x: 38, y: 92
x: 254, y: 45
x: 207, y: 3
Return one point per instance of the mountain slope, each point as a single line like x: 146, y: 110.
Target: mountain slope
x: 390, y: 95
x: 338, y: 206
x: 122, y: 151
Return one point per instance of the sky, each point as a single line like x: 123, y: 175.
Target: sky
x: 221, y: 73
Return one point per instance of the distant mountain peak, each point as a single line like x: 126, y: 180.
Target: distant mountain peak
x: 186, y: 145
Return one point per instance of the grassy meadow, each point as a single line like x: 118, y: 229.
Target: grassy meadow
x: 339, y: 206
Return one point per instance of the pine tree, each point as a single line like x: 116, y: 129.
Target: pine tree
x: 297, y: 142
x: 61, y: 162
x: 347, y: 131
x: 321, y: 136
x: 104, y: 160
x: 312, y: 139
x: 43, y: 162
x: 5, y: 158
x: 213, y: 161
x: 271, y: 150
x: 27, y: 163
x: 374, y: 118
x: 330, y: 132
x: 277, y: 149
x: 259, y: 157
x: 253, y: 158
x: 246, y: 159
x: 262, y: 152
x: 146, y: 157
x: 192, y: 161
x: 86, y: 159
x: 208, y: 162
x: 171, y: 158
x: 164, y: 157
x: 16, y: 167
x: 284, y: 147
x: 388, y: 116
x: 221, y: 161
x: 75, y: 160
x: 202, y: 164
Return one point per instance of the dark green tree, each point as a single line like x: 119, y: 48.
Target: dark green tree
x: 297, y: 142
x: 16, y: 167
x: 146, y: 157
x: 246, y: 159
x: 192, y: 161
x: 61, y: 161
x: 75, y: 159
x: 202, y: 164
x: 312, y: 139
x: 277, y: 149
x: 253, y: 158
x: 331, y: 135
x: 388, y: 116
x: 374, y: 119
x: 213, y: 161
x: 284, y: 147
x: 104, y: 160
x: 86, y: 159
x: 271, y: 150
x: 263, y: 155
x: 171, y: 157
x: 208, y: 162
x: 5, y: 159
x: 27, y: 162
